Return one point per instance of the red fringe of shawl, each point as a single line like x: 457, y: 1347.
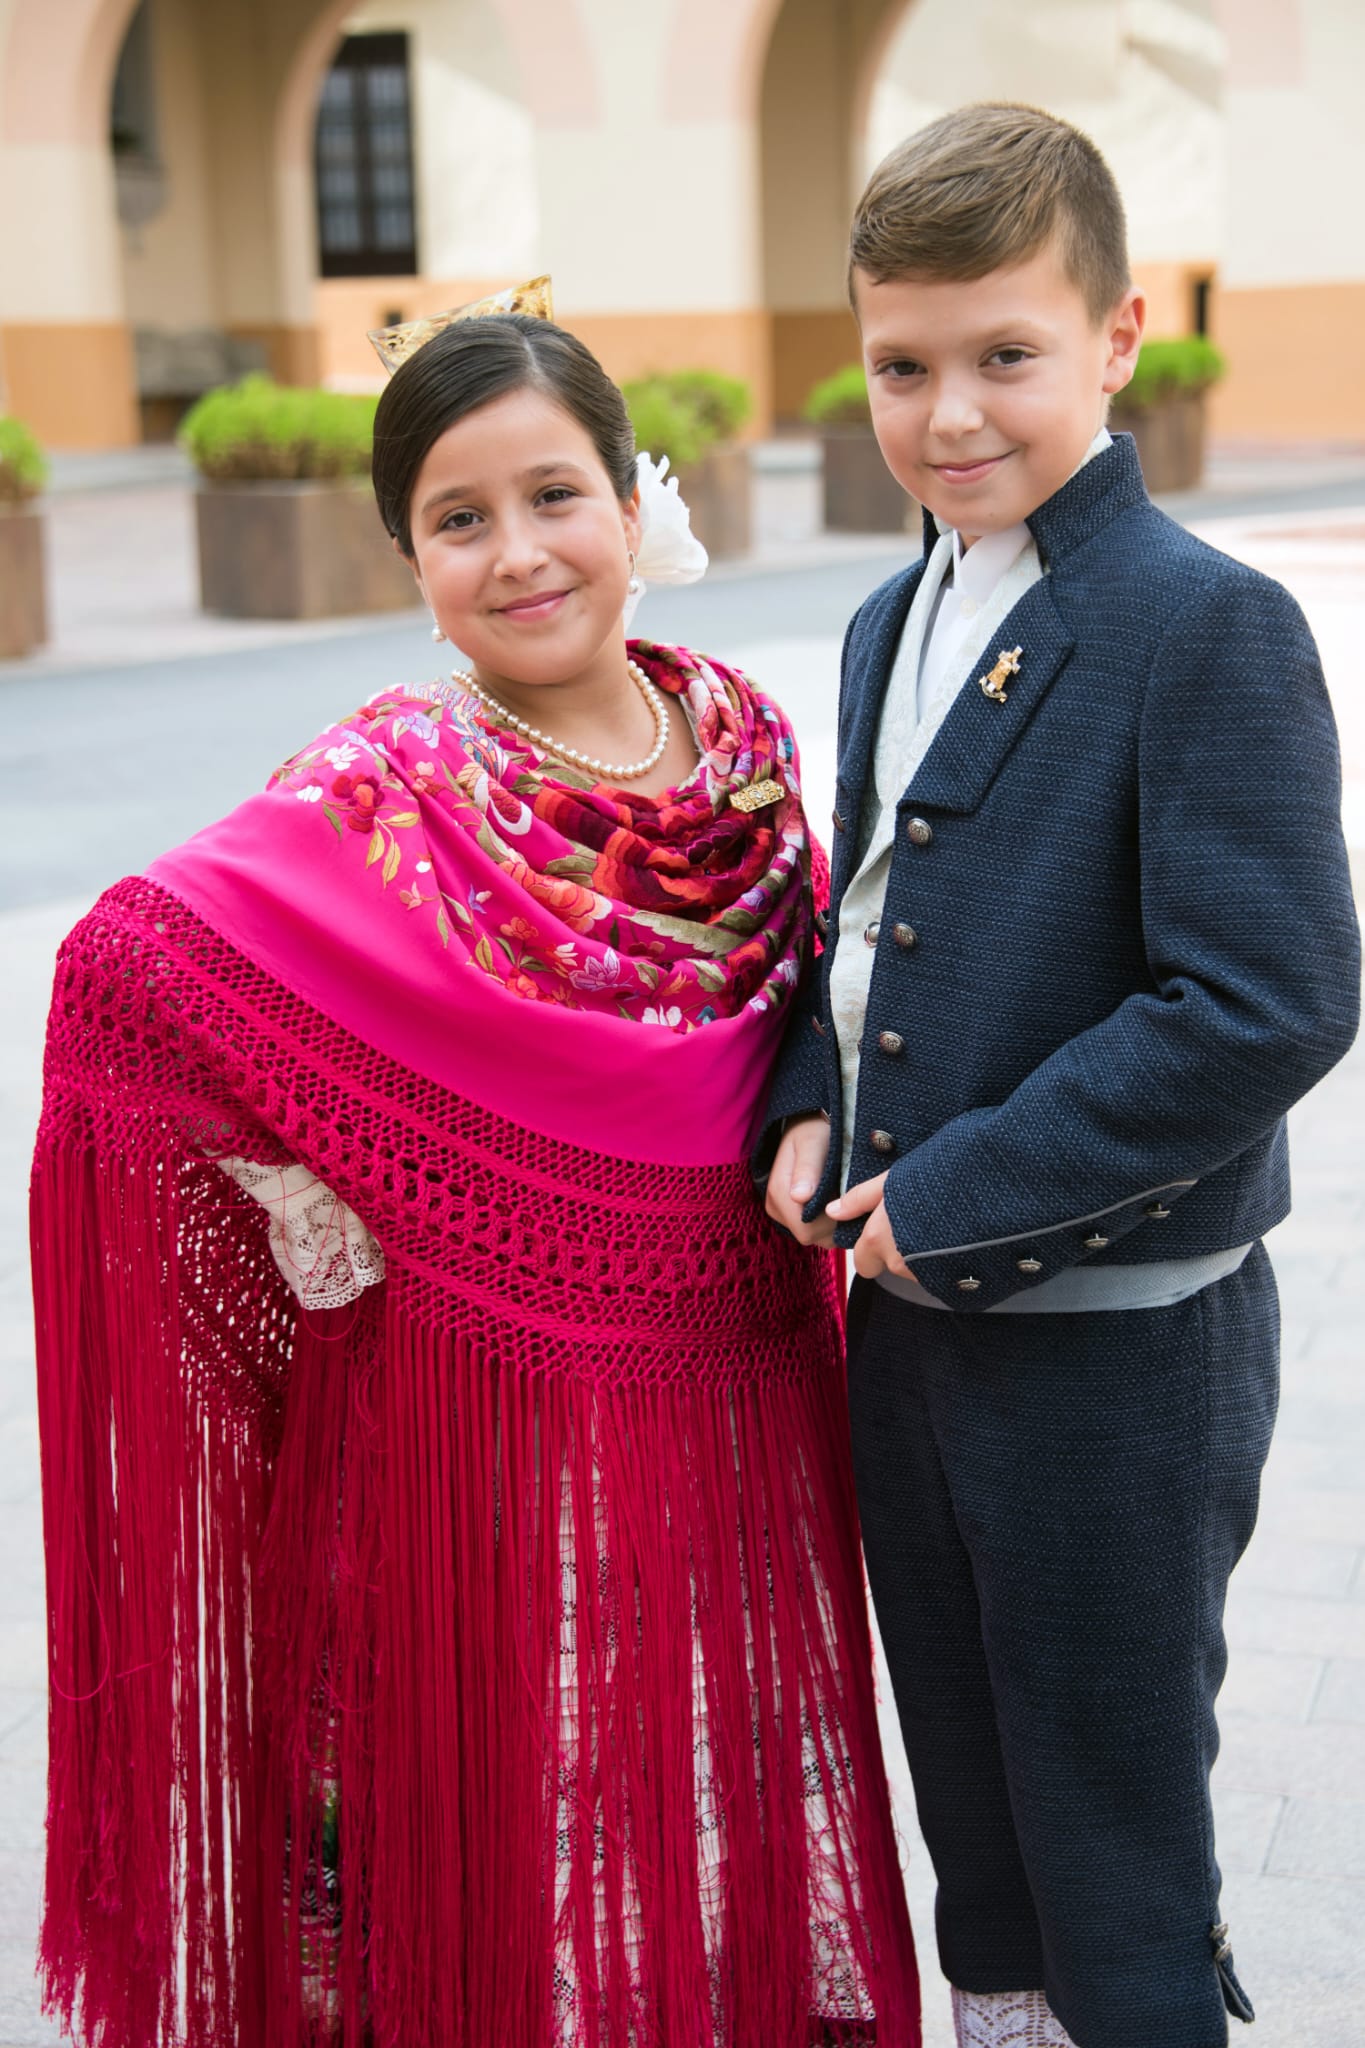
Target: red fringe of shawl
x: 452, y: 1552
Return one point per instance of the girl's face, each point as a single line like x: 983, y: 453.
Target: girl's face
x: 522, y: 547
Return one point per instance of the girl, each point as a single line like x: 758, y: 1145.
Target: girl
x: 457, y: 1621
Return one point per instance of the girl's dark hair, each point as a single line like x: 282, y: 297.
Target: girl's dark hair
x: 468, y: 365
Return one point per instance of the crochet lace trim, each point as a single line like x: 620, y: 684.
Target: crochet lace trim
x: 1007, y: 2019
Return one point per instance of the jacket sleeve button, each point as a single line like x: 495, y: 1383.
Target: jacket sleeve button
x: 1157, y: 1213
x: 871, y: 931
x: 817, y: 1026
x: 822, y: 923
x: 891, y: 1041
x: 1029, y: 1265
x: 904, y: 935
x: 919, y: 831
x: 1096, y: 1243
x: 881, y: 1141
x: 838, y: 822
x: 969, y: 1283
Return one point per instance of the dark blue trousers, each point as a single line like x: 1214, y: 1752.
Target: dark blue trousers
x: 1051, y: 1508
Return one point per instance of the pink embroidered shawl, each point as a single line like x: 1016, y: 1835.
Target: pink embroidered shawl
x: 487, y: 1662
x: 413, y: 867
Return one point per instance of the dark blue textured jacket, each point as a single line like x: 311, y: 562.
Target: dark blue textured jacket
x: 1118, y: 940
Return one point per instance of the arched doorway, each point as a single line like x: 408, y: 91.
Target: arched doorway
x: 812, y: 101
x: 425, y: 129
x: 152, y: 247
x: 1151, y: 95
x: 65, y: 353
x: 844, y: 82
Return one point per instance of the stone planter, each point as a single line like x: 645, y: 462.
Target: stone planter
x: 297, y: 551
x: 861, y: 495
x: 718, y: 492
x: 1170, y: 439
x: 23, y: 582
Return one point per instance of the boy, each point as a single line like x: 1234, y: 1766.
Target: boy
x: 1090, y: 935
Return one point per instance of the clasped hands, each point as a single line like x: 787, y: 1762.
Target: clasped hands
x: 797, y: 1172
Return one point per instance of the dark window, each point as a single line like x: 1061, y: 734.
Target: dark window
x: 363, y: 162
x: 132, y: 108
x: 1199, y: 308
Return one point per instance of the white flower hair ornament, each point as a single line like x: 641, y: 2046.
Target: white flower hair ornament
x: 669, y: 551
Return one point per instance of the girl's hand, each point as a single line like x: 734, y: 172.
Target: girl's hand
x: 875, y: 1251
x: 797, y: 1172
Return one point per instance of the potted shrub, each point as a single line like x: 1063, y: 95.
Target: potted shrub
x: 287, y: 523
x: 23, y: 595
x: 861, y: 495
x: 1163, y: 408
x: 692, y: 417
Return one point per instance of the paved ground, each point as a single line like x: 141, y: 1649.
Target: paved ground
x: 112, y: 760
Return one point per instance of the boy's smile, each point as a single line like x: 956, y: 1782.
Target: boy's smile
x: 986, y: 393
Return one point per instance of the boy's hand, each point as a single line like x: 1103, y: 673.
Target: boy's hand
x: 875, y: 1251
x: 797, y: 1172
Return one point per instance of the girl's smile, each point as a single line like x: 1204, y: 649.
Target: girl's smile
x: 542, y: 604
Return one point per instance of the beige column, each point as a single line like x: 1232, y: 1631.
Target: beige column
x: 1290, y: 311
x: 263, y: 61
x: 816, y: 81
x: 648, y: 177
x: 65, y: 353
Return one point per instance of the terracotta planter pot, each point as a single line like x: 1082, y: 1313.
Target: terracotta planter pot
x: 23, y: 582
x: 296, y: 551
x: 1170, y: 440
x: 719, y: 494
x: 861, y: 495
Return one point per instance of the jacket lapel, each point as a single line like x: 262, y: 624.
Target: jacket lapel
x: 870, y: 660
x: 979, y: 731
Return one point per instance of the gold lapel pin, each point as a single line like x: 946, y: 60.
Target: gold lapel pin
x: 1006, y: 666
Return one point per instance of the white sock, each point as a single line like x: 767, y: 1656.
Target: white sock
x: 1007, y: 2019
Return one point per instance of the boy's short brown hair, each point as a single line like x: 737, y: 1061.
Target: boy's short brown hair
x: 985, y: 187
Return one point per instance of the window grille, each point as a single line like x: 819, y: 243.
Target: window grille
x: 363, y: 162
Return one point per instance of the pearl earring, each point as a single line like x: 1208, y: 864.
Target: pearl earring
x: 436, y: 632
x: 635, y: 586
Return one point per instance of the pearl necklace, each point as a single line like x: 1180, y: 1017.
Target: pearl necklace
x: 608, y: 771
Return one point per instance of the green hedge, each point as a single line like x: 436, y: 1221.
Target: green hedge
x: 682, y: 413
x: 840, y: 400
x: 259, y: 430
x: 1188, y: 362
x: 23, y: 466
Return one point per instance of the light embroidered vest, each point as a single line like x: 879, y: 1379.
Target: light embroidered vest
x: 905, y: 734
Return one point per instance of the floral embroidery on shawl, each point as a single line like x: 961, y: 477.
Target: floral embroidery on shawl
x: 670, y: 910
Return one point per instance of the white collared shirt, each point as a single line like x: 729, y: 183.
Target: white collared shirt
x: 966, y: 590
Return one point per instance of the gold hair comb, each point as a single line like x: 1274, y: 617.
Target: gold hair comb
x: 393, y: 345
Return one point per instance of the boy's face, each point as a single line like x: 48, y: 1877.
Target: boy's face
x: 985, y: 395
